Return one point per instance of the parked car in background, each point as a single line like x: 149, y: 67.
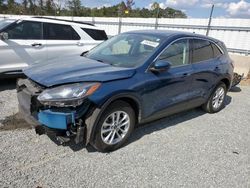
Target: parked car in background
x: 135, y: 77
x: 38, y: 39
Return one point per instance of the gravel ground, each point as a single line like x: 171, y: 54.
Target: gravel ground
x: 191, y: 149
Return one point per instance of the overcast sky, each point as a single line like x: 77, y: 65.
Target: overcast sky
x: 193, y: 8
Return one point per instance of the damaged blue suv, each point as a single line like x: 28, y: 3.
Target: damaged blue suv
x: 133, y: 78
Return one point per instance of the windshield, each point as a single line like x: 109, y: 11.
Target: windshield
x: 126, y: 50
x: 5, y: 23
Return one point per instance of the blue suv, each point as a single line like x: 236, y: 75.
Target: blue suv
x: 132, y: 78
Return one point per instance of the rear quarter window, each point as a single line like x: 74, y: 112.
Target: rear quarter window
x: 96, y: 34
x: 216, y: 51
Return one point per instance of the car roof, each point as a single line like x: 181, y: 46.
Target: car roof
x: 172, y: 33
x: 57, y: 19
x: 60, y: 21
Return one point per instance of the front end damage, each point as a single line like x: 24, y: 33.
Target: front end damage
x: 63, y: 124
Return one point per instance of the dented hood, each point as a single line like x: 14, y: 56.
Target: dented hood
x: 75, y: 69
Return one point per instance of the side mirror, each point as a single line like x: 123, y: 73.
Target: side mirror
x: 160, y: 66
x: 4, y: 36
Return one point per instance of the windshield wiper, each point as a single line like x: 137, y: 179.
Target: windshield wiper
x: 99, y: 60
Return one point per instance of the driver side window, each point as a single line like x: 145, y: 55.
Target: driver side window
x: 26, y: 30
x: 177, y: 54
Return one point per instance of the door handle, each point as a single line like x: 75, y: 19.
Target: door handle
x: 186, y: 74
x: 216, y: 68
x: 79, y: 44
x: 36, y: 44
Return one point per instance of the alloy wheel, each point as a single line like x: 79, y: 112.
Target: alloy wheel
x: 218, y: 98
x: 115, y: 127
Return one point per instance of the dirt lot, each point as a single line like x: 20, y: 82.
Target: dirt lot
x: 191, y: 149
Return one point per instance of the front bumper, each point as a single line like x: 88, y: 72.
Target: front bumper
x: 64, y: 121
x: 28, y: 105
x: 56, y: 120
x: 26, y: 115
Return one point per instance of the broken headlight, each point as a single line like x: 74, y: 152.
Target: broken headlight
x: 67, y: 95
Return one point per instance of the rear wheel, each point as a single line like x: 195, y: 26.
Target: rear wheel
x: 216, y: 101
x: 114, y: 127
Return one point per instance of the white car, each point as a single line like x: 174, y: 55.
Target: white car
x: 38, y: 39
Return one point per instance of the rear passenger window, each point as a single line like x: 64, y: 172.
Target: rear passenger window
x: 60, y: 32
x: 202, y: 50
x: 177, y: 54
x: 96, y: 34
x: 216, y: 50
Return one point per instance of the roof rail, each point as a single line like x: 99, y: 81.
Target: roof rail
x: 49, y: 18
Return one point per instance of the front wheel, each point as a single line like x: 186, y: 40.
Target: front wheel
x: 216, y: 101
x: 114, y: 127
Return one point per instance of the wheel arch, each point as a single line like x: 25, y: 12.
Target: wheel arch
x: 227, y: 82
x: 91, y: 121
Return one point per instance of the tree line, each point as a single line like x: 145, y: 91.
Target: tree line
x: 75, y: 8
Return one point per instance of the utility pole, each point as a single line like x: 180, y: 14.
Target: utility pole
x: 157, y: 17
x: 210, y: 19
x: 120, y: 19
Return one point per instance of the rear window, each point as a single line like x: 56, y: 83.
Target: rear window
x: 59, y: 32
x: 96, y: 34
x: 202, y: 50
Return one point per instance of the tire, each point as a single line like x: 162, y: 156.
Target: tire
x: 108, y: 127
x: 210, y: 105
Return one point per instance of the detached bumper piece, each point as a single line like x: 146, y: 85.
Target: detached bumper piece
x: 56, y: 120
x: 59, y: 124
x: 237, y: 79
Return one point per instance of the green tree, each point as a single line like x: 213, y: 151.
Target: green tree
x: 41, y: 7
x: 49, y: 7
x: 1, y: 5
x: 25, y: 6
x: 121, y: 8
x: 75, y: 7
x: 11, y: 7
x: 155, y: 9
x: 130, y: 4
x: 32, y: 6
x: 145, y: 13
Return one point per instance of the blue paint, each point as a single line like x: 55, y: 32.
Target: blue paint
x: 157, y: 95
x: 75, y: 69
x: 56, y: 120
